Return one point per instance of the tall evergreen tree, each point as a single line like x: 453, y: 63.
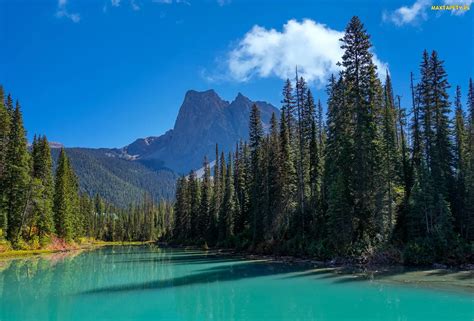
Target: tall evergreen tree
x: 442, y: 150
x: 182, y: 222
x: 337, y: 175
x: 363, y: 95
x: 468, y: 221
x: 417, y: 144
x: 434, y: 178
x: 301, y: 100
x: 9, y: 106
x: 390, y: 161
x: 63, y: 207
x: 16, y: 180
x: 315, y: 181
x: 204, y: 209
x: 194, y: 198
x: 215, y: 201
x: 287, y: 180
x: 242, y: 189
x: 288, y: 107
x: 273, y: 179
x: 256, y: 137
x: 460, y: 153
x: 42, y: 171
x: 5, y: 121
x: 226, y: 217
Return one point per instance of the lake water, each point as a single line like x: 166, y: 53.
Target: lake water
x: 149, y: 283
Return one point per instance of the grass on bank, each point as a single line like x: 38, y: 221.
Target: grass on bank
x: 54, y: 245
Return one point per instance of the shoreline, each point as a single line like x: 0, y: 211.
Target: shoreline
x: 12, y: 254
x: 348, y: 264
x: 435, y: 276
x: 340, y: 265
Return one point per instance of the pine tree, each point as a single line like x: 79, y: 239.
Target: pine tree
x: 442, y: 158
x: 459, y: 164
x: 5, y: 121
x: 9, y: 106
x: 288, y: 107
x: 226, y: 217
x: 390, y: 161
x: 417, y: 144
x: 426, y: 109
x: 434, y: 177
x: 273, y: 178
x: 194, y: 198
x: 256, y: 137
x: 242, y: 189
x: 287, y: 180
x: 363, y: 98
x: 468, y: 221
x: 406, y: 174
x: 315, y: 181
x: 73, y: 195
x: 308, y: 127
x: 211, y: 236
x: 42, y: 170
x: 301, y: 159
x: 16, y: 179
x: 337, y: 175
x: 63, y: 207
x: 204, y: 208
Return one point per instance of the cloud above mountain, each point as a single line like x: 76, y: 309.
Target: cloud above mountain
x: 311, y: 46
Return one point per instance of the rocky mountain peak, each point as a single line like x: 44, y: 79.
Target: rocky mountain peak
x: 204, y: 120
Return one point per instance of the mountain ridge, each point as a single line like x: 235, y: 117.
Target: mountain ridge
x: 204, y: 120
x: 150, y: 165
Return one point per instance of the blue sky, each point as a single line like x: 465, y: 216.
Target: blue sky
x: 103, y: 73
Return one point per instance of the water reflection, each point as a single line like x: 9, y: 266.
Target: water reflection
x: 146, y: 283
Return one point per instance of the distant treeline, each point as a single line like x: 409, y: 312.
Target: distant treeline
x: 372, y: 181
x: 36, y: 205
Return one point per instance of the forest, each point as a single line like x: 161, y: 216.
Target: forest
x: 373, y: 181
x: 38, y: 207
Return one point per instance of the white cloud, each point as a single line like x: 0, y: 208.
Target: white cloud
x: 459, y: 3
x: 115, y: 3
x: 172, y: 1
x: 408, y: 15
x: 313, y: 47
x: 134, y: 5
x: 417, y: 12
x: 62, y: 12
x: 223, y: 2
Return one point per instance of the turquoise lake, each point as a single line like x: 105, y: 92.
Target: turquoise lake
x: 151, y: 283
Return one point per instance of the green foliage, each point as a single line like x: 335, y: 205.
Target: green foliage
x: 16, y: 181
x: 119, y: 181
x: 5, y: 122
x: 43, y: 202
x: 41, y: 207
x: 356, y: 186
x: 63, y: 200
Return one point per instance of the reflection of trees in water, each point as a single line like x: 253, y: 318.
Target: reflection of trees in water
x: 184, y: 285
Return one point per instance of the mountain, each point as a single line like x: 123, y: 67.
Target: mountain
x: 152, y: 164
x: 118, y: 180
x: 204, y: 119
